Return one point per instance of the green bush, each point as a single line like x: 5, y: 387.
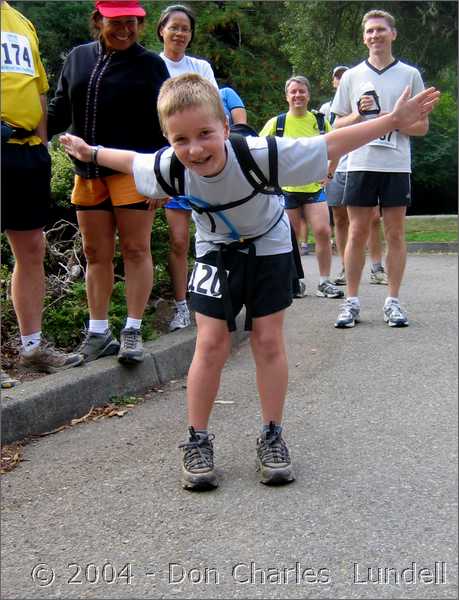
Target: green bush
x: 62, y: 176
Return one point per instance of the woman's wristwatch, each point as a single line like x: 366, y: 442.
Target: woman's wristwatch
x: 94, y: 151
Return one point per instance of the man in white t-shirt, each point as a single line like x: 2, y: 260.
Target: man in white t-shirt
x: 378, y: 173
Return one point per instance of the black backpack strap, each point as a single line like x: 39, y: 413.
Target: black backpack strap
x: 280, y: 124
x: 273, y: 163
x: 320, y: 118
x: 249, y: 167
x: 168, y: 188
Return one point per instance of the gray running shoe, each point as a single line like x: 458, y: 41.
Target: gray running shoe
x: 180, y: 320
x: 340, y: 279
x: 6, y: 381
x: 349, y: 315
x: 46, y: 359
x: 394, y: 315
x: 97, y: 345
x: 328, y: 290
x: 198, y: 462
x: 273, y: 458
x: 131, y: 349
x: 379, y: 277
x: 300, y: 291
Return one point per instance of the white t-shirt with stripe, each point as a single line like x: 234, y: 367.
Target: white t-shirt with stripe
x: 390, y: 153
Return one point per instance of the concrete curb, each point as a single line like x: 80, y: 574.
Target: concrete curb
x: 44, y: 404
x: 413, y: 247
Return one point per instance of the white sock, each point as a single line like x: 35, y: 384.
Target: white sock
x: 391, y: 299
x: 133, y: 323
x: 30, y: 342
x: 181, y: 305
x: 354, y: 299
x: 324, y: 278
x: 98, y: 325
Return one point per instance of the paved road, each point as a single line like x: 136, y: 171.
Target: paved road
x: 371, y: 421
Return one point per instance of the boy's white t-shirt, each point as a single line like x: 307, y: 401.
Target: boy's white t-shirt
x: 391, y: 153
x: 189, y: 64
x: 300, y: 161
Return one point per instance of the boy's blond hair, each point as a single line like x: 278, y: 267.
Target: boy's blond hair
x: 378, y: 14
x: 189, y: 90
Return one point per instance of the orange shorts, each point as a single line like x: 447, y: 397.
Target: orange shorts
x: 120, y: 189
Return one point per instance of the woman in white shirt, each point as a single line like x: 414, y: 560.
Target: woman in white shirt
x: 175, y: 29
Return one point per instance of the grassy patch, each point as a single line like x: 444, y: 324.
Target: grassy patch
x: 431, y: 230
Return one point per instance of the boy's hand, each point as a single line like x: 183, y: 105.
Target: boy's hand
x: 76, y: 147
x: 154, y: 203
x: 408, y: 111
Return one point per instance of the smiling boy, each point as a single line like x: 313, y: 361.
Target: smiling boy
x: 195, y: 125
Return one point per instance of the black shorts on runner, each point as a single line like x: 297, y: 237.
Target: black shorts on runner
x: 298, y: 199
x: 370, y: 188
x: 272, y: 285
x: 26, y: 187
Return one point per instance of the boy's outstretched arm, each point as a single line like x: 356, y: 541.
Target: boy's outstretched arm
x: 407, y: 111
x: 118, y: 160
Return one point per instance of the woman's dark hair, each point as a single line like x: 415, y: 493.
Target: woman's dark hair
x: 165, y: 16
x: 95, y: 17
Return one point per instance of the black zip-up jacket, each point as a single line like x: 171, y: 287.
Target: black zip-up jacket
x: 109, y: 98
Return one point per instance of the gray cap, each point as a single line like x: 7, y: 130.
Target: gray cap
x: 338, y: 69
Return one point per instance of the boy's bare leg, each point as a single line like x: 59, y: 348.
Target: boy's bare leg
x: 179, y: 234
x: 267, y: 340
x: 213, y: 345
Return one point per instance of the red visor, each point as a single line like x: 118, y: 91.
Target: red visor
x: 120, y: 8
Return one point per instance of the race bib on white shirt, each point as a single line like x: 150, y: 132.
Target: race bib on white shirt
x: 204, y: 280
x: 17, y: 54
x: 389, y: 140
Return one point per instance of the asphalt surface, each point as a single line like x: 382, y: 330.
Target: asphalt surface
x: 97, y: 511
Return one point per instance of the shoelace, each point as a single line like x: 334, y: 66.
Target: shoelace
x: 273, y: 449
x: 130, y: 338
x: 198, y: 452
x: 396, y: 311
x: 347, y: 307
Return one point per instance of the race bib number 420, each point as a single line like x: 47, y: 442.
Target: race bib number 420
x: 204, y: 280
x: 16, y: 54
x: 389, y: 140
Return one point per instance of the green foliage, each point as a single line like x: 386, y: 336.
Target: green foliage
x: 62, y: 176
x: 435, y: 155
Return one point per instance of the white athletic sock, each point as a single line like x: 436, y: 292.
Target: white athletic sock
x: 390, y: 299
x: 98, y: 325
x: 324, y: 278
x: 133, y: 323
x: 30, y: 342
x: 181, y: 305
x: 354, y: 299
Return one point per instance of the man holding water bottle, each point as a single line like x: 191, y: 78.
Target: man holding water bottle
x: 378, y: 173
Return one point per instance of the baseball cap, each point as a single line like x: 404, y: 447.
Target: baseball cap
x: 120, y: 8
x: 339, y: 69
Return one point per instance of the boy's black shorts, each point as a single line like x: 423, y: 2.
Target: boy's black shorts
x: 26, y: 187
x: 272, y: 285
x: 370, y: 188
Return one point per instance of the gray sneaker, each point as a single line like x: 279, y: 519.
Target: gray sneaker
x: 394, y: 315
x: 349, y: 315
x: 328, y: 290
x: 97, y: 345
x: 273, y: 457
x: 6, y: 381
x: 340, y: 279
x: 131, y: 349
x: 180, y: 320
x: 46, y: 359
x: 299, y: 288
x: 198, y: 471
x: 379, y: 277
